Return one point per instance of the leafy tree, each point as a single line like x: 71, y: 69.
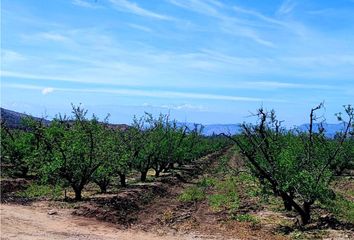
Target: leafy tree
x: 297, y: 166
x: 103, y: 175
x: 191, y: 146
x: 345, y: 161
x: 72, y: 149
x: 121, y: 149
x: 17, y: 147
x: 151, y: 136
x: 170, y: 150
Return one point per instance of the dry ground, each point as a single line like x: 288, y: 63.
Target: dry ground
x: 34, y: 223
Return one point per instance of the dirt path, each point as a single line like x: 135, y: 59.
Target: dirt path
x: 33, y: 222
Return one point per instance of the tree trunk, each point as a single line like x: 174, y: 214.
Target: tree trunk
x: 23, y: 171
x: 122, y: 180
x: 143, y: 175
x: 157, y: 173
x: 168, y: 167
x: 304, y: 211
x: 306, y: 214
x: 287, y: 203
x: 103, y: 184
x: 78, y: 191
x: 103, y: 187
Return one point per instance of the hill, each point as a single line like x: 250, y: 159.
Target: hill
x: 14, y: 120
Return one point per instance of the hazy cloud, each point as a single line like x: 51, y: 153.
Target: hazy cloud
x: 148, y: 93
x: 56, y: 37
x: 124, y: 5
x: 47, y: 90
x: 86, y: 3
x: 286, y: 7
x: 11, y: 56
x: 140, y: 27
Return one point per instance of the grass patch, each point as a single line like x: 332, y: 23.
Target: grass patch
x: 246, y: 218
x: 342, y: 208
x: 225, y: 196
x: 221, y: 201
x: 192, y: 194
x: 207, y: 182
x: 251, y: 185
x: 37, y: 191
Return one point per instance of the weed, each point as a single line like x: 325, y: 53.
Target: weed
x: 37, y: 191
x: 207, y: 182
x: 226, y: 196
x: 192, y: 194
x: 298, y: 235
x: 167, y: 216
x: 341, y: 208
x: 219, y: 201
x: 246, y: 218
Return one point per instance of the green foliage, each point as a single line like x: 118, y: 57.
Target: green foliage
x: 226, y: 196
x: 207, y: 182
x: 38, y: 191
x: 71, y: 149
x: 103, y: 176
x: 296, y: 165
x: 159, y: 143
x: 250, y: 184
x: 17, y: 147
x: 76, y: 150
x: 341, y: 208
x: 246, y: 218
x: 192, y: 194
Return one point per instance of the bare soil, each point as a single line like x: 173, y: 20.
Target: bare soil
x: 35, y: 223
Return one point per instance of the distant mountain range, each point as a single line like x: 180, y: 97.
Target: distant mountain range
x: 13, y: 120
x: 331, y: 129
x: 215, y: 129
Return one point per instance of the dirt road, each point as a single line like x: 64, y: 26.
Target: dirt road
x: 33, y: 222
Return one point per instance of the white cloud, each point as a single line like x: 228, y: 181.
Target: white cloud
x: 198, y: 6
x: 187, y: 106
x: 148, y: 93
x: 286, y: 7
x: 139, y: 27
x: 258, y: 15
x: 248, y: 33
x: 232, y: 25
x: 184, y: 106
x: 99, y: 58
x: 86, y: 4
x: 11, y: 56
x: 47, y: 90
x: 125, y: 5
x: 56, y: 37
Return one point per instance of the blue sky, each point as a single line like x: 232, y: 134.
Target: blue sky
x: 204, y: 61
